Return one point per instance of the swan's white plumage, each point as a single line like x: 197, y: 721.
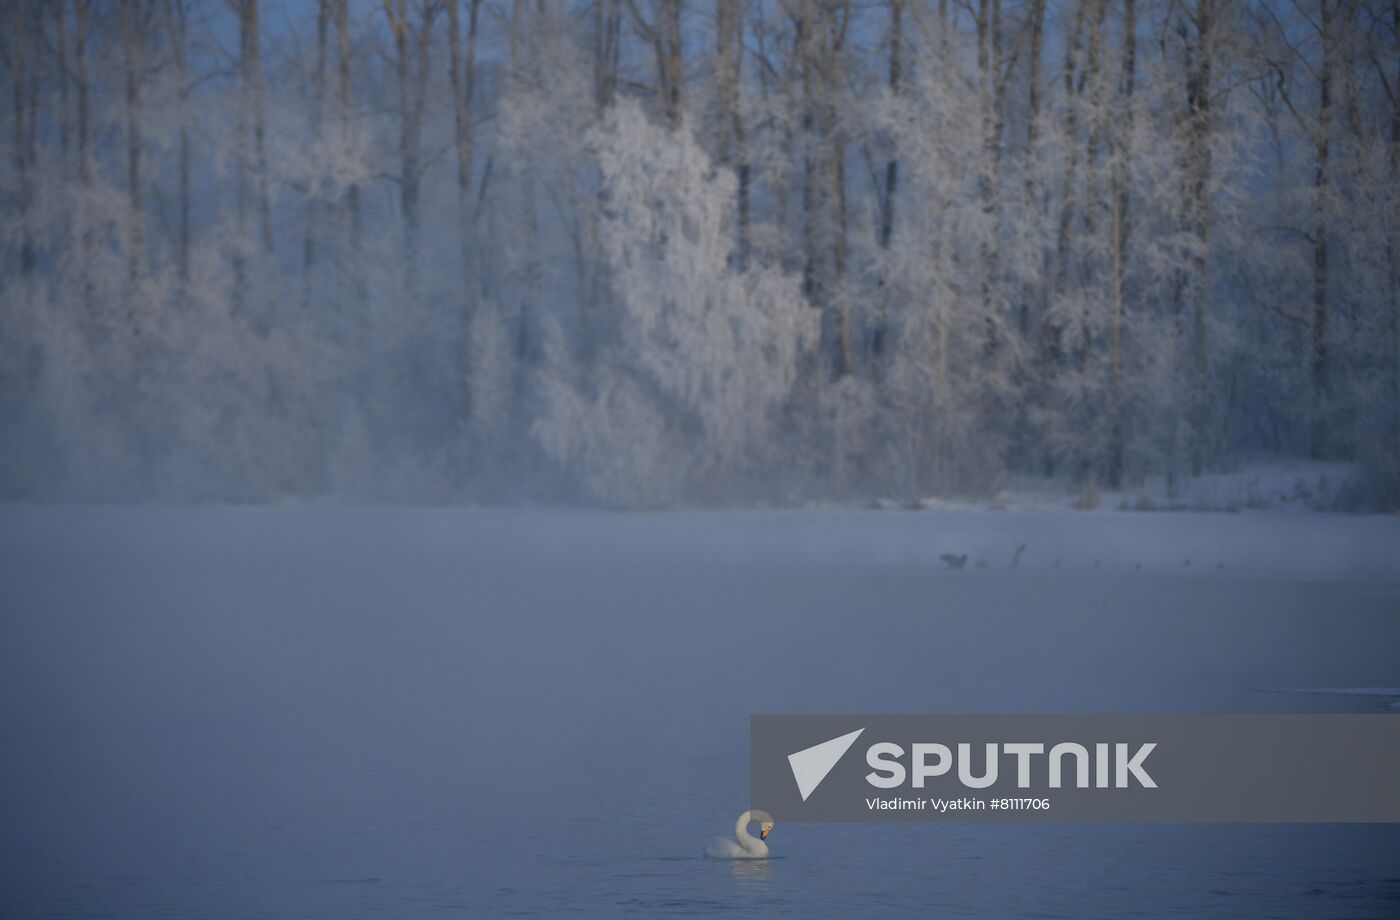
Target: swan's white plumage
x: 744, y: 845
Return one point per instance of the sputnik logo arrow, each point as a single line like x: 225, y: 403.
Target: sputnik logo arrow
x: 811, y: 765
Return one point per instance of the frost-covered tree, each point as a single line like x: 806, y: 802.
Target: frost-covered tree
x: 687, y: 399
x: 945, y: 376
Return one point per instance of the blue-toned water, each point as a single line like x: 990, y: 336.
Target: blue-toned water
x: 401, y: 713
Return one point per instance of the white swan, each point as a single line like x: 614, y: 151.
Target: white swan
x: 744, y: 845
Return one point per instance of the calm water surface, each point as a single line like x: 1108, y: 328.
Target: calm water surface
x: 399, y: 713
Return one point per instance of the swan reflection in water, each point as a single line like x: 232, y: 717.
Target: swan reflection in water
x: 752, y: 872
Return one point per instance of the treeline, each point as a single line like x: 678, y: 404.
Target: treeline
x: 692, y: 250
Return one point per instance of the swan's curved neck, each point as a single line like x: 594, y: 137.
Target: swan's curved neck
x: 741, y: 832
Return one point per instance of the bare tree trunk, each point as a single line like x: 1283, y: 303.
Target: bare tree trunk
x: 240, y: 202
x: 313, y: 198
x: 133, y: 39
x: 1392, y: 246
x: 1122, y: 156
x: 532, y: 272
x: 591, y: 267
x: 1051, y: 334
x: 1093, y: 199
x: 675, y: 70
x: 60, y: 21
x: 892, y: 166
x: 251, y: 159
x: 820, y: 40
x: 1055, y: 261
x: 259, y: 125
x: 1321, y: 365
x: 463, y: 72
x: 1199, y: 128
x: 341, y: 17
x: 252, y: 120
x: 412, y: 97
x: 607, y: 42
x: 832, y: 53
x: 22, y: 74
x: 729, y: 30
x: 778, y: 80
x: 991, y: 90
x: 945, y: 38
x: 81, y: 9
x: 663, y: 33
x: 881, y: 325
x: 176, y: 26
x: 813, y: 286
x: 1031, y: 290
x: 942, y: 398
x: 1033, y: 98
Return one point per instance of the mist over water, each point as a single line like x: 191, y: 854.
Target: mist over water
x: 331, y: 712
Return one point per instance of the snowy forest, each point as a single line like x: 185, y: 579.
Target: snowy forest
x: 641, y: 253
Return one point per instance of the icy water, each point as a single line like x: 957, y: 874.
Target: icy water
x: 335, y: 713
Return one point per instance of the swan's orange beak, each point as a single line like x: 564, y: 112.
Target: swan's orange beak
x: 763, y: 834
